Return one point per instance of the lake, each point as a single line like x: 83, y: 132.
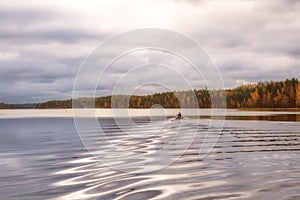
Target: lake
x: 255, y: 155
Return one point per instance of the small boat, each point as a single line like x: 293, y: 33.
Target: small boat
x: 179, y: 116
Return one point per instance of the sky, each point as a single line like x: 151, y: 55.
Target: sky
x: 44, y: 43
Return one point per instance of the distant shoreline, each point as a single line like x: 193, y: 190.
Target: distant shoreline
x: 239, y: 109
x: 263, y: 96
x: 271, y: 109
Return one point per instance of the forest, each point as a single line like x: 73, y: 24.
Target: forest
x: 273, y: 94
x: 18, y: 106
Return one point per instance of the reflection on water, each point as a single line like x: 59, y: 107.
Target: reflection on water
x: 43, y: 158
x: 276, y: 117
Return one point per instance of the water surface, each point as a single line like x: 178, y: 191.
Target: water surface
x: 43, y: 158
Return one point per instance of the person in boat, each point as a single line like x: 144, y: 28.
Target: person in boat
x: 179, y: 116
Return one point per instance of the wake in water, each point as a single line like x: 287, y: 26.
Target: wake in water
x: 44, y: 159
x: 182, y: 118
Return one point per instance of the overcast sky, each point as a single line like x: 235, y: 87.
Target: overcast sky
x: 43, y: 43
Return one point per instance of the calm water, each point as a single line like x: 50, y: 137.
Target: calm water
x: 43, y: 158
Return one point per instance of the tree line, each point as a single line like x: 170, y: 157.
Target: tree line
x: 273, y: 94
x: 17, y: 106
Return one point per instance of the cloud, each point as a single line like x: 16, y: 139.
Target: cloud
x: 43, y: 44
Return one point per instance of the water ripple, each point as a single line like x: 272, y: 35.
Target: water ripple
x: 246, y: 163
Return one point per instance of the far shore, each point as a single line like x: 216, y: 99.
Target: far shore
x: 271, y: 109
